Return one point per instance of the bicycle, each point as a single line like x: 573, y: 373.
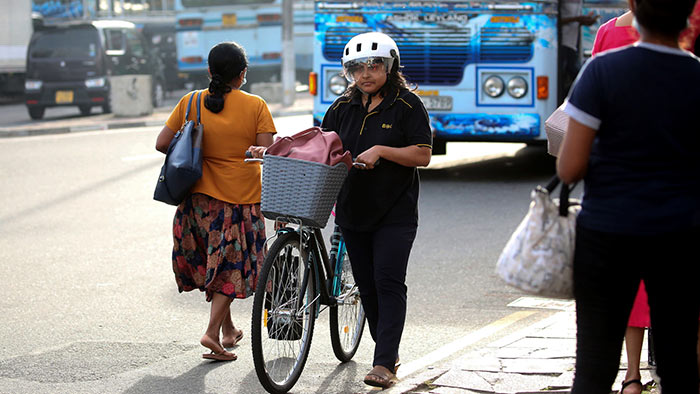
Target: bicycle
x: 297, y: 279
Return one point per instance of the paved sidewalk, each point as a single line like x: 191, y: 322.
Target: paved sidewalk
x: 70, y: 124
x: 537, y: 359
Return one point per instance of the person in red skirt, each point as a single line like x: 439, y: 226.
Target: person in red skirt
x: 219, y: 230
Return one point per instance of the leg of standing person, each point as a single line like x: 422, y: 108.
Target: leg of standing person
x: 359, y: 247
x: 605, y: 284
x: 379, y: 262
x: 392, y: 248
x: 230, y: 336
x: 570, y: 69
x: 634, y: 338
x: 219, y: 308
x: 671, y: 271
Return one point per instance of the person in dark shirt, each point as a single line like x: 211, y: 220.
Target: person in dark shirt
x: 386, y: 127
x: 633, y: 138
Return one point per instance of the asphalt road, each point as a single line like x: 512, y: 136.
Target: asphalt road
x: 89, y: 304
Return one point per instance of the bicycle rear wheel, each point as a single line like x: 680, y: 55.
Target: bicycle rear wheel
x: 284, y: 312
x: 347, y: 318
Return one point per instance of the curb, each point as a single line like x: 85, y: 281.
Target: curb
x: 20, y: 132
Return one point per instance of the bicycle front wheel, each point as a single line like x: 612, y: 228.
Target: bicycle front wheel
x: 347, y: 318
x: 284, y: 312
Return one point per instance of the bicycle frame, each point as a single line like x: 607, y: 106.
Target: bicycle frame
x: 320, y: 264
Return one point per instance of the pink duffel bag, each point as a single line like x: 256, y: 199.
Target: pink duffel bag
x: 312, y: 145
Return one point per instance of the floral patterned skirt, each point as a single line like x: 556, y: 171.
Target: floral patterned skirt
x: 218, y: 246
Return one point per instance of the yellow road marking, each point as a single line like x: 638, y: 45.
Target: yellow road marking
x: 455, y: 346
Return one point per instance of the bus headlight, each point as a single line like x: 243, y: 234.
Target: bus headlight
x: 337, y: 84
x: 493, y: 86
x: 95, y: 82
x: 32, y: 84
x: 517, y: 87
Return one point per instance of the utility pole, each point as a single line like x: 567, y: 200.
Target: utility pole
x: 288, y: 61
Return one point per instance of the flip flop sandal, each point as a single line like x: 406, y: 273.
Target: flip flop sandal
x: 630, y: 382
x: 235, y: 340
x: 222, y: 356
x: 376, y: 380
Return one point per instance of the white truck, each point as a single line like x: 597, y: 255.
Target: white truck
x: 15, y: 32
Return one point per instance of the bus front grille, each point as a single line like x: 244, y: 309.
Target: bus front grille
x: 499, y: 44
x: 429, y: 55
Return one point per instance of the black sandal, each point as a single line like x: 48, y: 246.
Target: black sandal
x: 629, y: 382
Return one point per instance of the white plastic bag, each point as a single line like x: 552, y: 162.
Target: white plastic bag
x: 538, y: 258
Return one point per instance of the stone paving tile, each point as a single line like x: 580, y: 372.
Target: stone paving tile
x: 453, y: 390
x: 487, y: 363
x: 464, y: 379
x: 519, y: 383
x: 565, y: 380
x: 514, y: 352
x: 537, y: 366
x: 545, y: 343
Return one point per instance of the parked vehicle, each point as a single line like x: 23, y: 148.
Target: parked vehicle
x: 255, y: 24
x: 161, y: 36
x: 485, y: 70
x: 70, y: 64
x: 15, y: 32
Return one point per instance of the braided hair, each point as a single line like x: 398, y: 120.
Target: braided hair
x: 226, y: 62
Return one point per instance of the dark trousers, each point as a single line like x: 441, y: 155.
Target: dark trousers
x: 570, y: 66
x: 379, y: 260
x: 607, y: 270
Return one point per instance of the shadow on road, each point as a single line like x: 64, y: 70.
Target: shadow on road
x: 190, y: 382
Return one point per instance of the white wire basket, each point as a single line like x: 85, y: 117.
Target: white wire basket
x: 300, y: 189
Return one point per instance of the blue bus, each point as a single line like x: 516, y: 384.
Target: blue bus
x: 255, y: 24
x: 486, y: 70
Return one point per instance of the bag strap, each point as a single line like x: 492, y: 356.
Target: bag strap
x: 563, y: 193
x: 189, y: 105
x: 199, y: 117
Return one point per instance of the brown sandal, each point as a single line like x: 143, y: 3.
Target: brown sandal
x: 221, y: 356
x: 380, y: 376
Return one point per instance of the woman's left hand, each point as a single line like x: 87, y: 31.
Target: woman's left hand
x: 257, y: 151
x: 370, y: 157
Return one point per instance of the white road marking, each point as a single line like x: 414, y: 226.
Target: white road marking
x: 451, y: 348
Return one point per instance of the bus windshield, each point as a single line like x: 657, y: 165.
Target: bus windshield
x: 211, y: 3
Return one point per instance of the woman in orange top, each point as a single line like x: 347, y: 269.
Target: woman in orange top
x: 218, y: 230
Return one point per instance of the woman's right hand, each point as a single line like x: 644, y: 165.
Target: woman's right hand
x: 257, y: 151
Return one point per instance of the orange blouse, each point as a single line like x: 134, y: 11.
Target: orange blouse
x: 227, y: 135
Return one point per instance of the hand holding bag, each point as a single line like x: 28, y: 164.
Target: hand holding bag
x: 312, y: 145
x: 538, y: 259
x: 555, y: 126
x: 183, y: 161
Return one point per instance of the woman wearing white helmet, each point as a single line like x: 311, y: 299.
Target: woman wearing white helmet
x: 380, y: 121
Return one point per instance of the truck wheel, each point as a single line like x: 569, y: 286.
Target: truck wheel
x: 36, y: 113
x: 85, y: 110
x: 106, y: 108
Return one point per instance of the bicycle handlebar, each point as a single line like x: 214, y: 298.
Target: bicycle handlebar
x: 250, y: 159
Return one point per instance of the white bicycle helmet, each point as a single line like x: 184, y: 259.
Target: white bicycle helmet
x: 369, y: 49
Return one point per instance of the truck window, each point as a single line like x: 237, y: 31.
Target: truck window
x: 115, y: 41
x: 65, y: 43
x: 135, y: 44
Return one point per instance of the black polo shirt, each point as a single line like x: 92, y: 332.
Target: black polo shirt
x: 387, y: 194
